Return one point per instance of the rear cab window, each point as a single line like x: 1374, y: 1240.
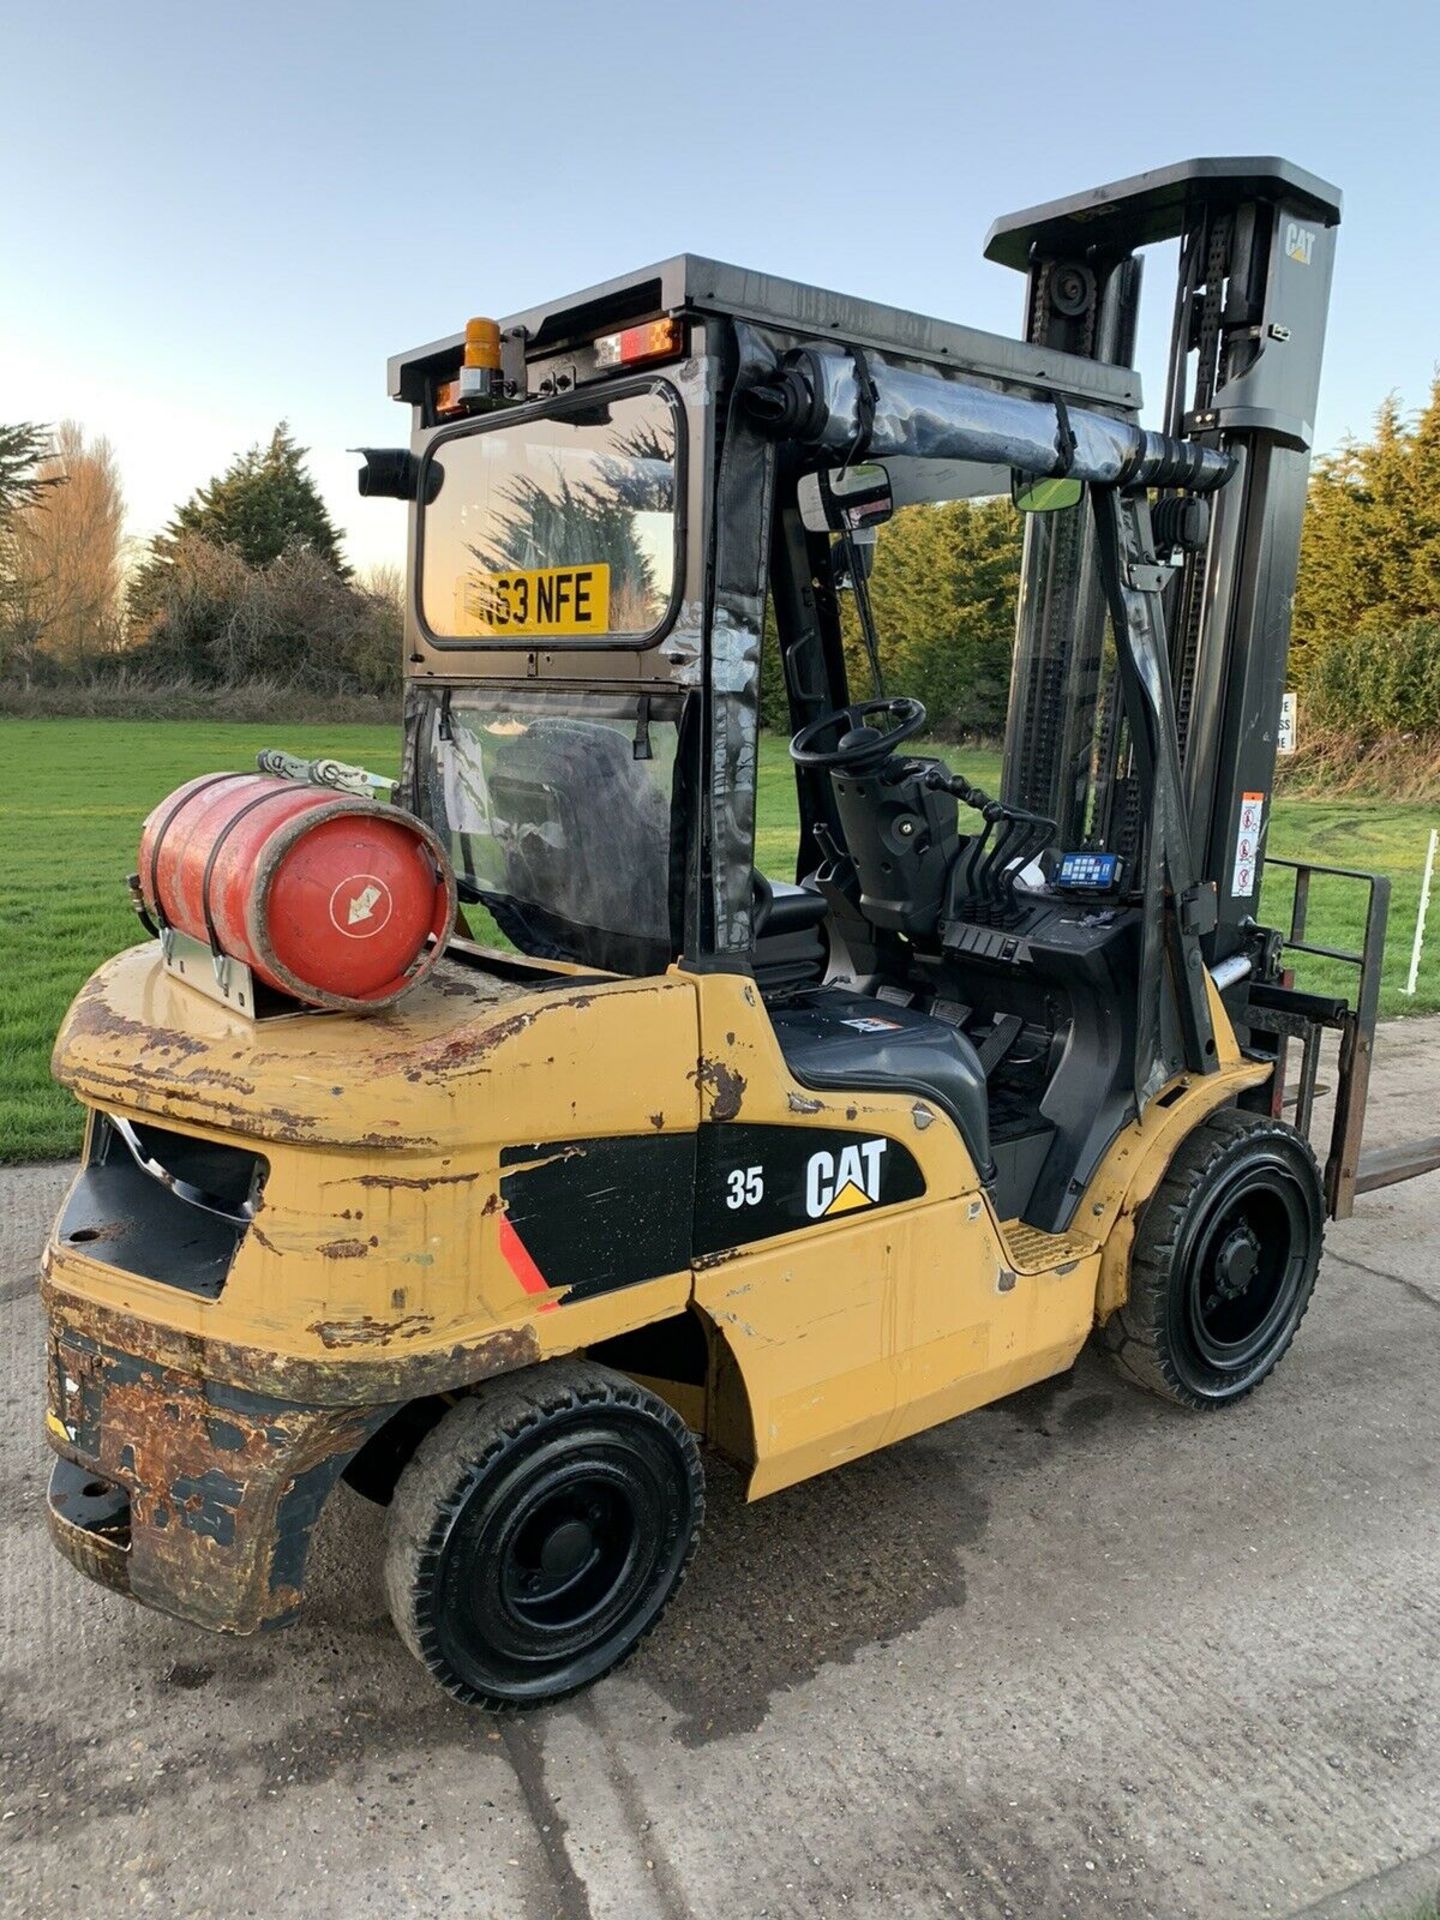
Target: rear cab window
x: 562, y: 524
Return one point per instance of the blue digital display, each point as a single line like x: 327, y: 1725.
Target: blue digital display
x: 1089, y: 872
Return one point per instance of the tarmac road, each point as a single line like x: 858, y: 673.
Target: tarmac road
x: 1075, y: 1655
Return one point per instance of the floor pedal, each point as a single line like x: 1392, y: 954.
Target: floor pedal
x: 998, y: 1042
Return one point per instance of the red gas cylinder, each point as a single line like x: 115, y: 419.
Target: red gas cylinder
x: 325, y: 896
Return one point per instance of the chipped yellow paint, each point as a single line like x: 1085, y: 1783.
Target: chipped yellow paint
x: 377, y: 1248
x: 743, y: 1075
x: 378, y: 1237
x: 844, y: 1337
x: 851, y: 1333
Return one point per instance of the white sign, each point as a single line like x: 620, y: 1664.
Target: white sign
x: 1246, y: 870
x: 1289, y: 723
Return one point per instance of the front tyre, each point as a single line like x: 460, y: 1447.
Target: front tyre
x: 539, y: 1532
x: 1223, y: 1264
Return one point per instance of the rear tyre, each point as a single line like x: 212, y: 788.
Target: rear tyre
x: 540, y: 1531
x: 1223, y: 1264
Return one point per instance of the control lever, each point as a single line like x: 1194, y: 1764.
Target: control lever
x: 964, y: 881
x: 985, y: 873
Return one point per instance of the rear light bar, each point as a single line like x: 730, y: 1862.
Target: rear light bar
x: 652, y: 340
x: 479, y: 382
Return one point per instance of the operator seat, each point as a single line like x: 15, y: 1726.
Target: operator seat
x: 791, y: 951
x: 838, y: 1041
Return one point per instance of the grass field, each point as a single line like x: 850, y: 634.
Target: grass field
x: 75, y: 792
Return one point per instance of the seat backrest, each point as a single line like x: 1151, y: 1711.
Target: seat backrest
x: 833, y: 1039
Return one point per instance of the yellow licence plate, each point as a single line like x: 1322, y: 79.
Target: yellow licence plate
x: 544, y: 600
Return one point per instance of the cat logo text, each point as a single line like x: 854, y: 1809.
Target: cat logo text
x: 843, y: 1181
x: 1299, y: 242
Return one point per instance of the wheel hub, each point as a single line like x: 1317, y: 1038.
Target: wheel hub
x: 1237, y: 1262
x: 567, y: 1548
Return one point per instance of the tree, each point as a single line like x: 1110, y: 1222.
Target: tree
x: 263, y: 505
x: 943, y: 594
x: 22, y: 483
x: 1370, y: 548
x: 67, y: 542
x: 22, y: 449
x: 296, y: 622
x: 943, y: 591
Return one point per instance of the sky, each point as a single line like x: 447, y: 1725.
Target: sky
x: 215, y: 217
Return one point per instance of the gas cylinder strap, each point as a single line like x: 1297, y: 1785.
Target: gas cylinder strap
x: 285, y: 792
x: 162, y: 918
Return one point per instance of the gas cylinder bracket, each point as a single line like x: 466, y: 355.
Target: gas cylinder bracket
x: 219, y: 976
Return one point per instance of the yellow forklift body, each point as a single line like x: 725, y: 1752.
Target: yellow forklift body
x: 870, y: 1328
x: 383, y: 1263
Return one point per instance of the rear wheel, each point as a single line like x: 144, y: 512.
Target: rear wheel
x: 539, y: 1532
x: 1223, y: 1264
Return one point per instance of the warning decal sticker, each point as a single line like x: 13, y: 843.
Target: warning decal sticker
x: 1247, y: 846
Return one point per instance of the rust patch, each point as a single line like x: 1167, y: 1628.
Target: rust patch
x: 657, y: 1120
x: 705, y: 1261
x: 346, y: 1249
x: 463, y: 1049
x: 212, y: 1076
x: 367, y: 1331
x: 365, y: 1377
x: 93, y: 1018
x: 415, y: 1185
x: 224, y: 1486
x: 544, y: 1159
x: 725, y: 1086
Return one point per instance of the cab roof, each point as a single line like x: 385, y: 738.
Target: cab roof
x: 690, y: 283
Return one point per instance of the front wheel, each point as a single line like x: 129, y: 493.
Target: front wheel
x: 1223, y: 1264
x: 539, y: 1532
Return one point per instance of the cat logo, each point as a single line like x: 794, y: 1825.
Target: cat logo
x: 844, y: 1181
x: 1299, y: 242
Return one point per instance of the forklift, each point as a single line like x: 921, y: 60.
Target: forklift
x: 663, y: 1150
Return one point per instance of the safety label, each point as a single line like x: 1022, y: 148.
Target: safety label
x: 1247, y: 846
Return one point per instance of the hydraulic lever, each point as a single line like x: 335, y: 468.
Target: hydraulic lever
x: 983, y: 885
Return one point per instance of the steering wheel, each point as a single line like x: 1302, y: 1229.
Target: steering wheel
x: 858, y: 744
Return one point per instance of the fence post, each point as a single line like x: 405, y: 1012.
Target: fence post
x: 1410, y: 984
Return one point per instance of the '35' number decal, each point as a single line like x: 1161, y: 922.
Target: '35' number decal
x: 746, y: 1188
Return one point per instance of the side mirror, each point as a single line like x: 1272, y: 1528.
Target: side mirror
x: 853, y: 500
x: 393, y: 473
x: 1032, y: 493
